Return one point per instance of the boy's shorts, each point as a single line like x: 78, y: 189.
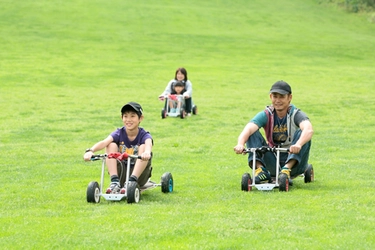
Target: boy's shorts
x: 142, y: 180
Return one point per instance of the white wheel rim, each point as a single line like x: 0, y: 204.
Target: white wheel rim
x: 136, y: 195
x: 97, y: 195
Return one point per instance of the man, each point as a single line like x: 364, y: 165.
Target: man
x: 284, y: 126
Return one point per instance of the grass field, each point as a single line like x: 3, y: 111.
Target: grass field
x: 67, y: 67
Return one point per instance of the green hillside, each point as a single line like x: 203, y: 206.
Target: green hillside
x: 67, y: 67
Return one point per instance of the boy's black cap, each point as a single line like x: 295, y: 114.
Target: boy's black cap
x: 281, y: 87
x: 132, y: 106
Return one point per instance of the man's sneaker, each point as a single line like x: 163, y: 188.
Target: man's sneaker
x: 262, y: 175
x: 114, y: 188
x: 286, y: 171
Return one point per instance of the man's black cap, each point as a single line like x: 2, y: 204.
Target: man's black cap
x: 281, y: 87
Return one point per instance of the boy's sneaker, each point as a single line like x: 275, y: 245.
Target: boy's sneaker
x: 173, y: 110
x: 114, y: 188
x: 286, y: 171
x: 262, y: 175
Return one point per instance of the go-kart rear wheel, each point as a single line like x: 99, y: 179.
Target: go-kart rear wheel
x: 167, y: 183
x: 195, y: 110
x: 163, y: 113
x: 246, y: 182
x: 182, y: 113
x: 309, y: 174
x: 93, y: 192
x: 133, y: 192
x: 283, y: 183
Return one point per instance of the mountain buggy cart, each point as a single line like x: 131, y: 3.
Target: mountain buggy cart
x: 247, y: 183
x: 130, y: 191
x: 178, y: 110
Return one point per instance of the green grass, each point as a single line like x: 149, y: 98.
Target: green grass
x: 67, y: 67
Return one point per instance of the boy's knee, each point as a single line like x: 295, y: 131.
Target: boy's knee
x: 112, y: 147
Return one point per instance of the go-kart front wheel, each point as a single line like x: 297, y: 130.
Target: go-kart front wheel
x: 133, y: 192
x: 283, y: 183
x: 182, y: 113
x: 246, y: 182
x: 167, y: 183
x: 309, y: 174
x: 195, y: 110
x: 93, y: 192
x: 163, y: 113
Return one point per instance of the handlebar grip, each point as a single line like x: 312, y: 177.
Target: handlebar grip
x: 98, y: 157
x: 135, y: 156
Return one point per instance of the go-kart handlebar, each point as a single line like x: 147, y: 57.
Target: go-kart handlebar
x: 265, y: 149
x: 174, y: 97
x: 117, y: 156
x: 98, y: 157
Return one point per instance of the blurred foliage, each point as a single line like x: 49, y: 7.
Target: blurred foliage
x: 360, y: 5
x: 366, y: 7
x: 354, y: 5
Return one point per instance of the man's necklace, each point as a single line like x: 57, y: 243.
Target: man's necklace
x: 280, y: 121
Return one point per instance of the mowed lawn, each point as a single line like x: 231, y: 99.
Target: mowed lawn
x: 67, y: 67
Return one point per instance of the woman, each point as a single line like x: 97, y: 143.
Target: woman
x: 180, y: 75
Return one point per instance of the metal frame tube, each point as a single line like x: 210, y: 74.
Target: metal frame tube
x: 102, y: 176
x: 253, y: 150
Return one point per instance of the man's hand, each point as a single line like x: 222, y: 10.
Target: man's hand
x: 239, y: 149
x: 295, y: 149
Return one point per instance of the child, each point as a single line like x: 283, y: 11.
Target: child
x: 131, y: 139
x: 174, y: 100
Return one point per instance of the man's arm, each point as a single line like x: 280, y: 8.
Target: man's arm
x: 249, y: 129
x: 306, y: 135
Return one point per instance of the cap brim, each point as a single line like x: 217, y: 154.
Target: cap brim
x: 280, y: 91
x: 127, y: 106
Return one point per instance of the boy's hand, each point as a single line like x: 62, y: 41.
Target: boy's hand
x: 161, y: 97
x: 146, y: 156
x: 87, y: 156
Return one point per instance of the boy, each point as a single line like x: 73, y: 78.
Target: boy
x: 174, y: 100
x: 131, y: 139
